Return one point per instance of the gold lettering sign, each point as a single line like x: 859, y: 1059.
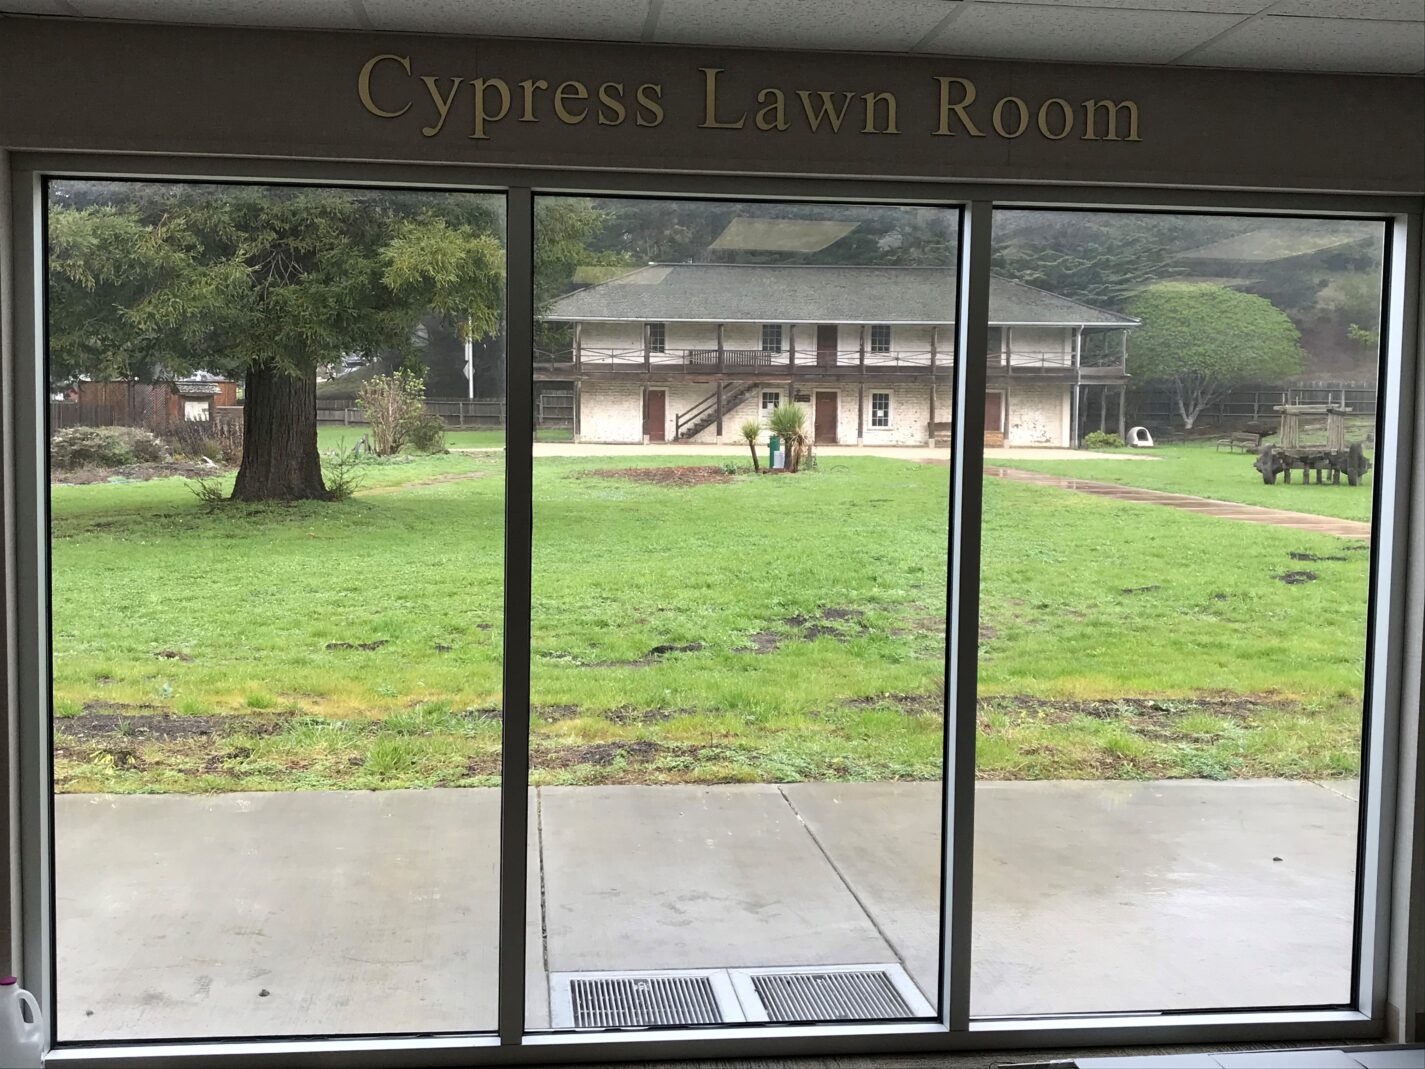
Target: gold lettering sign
x: 389, y: 86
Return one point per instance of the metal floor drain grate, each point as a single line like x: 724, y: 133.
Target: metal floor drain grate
x: 675, y: 997
x: 642, y: 1000
x: 842, y: 993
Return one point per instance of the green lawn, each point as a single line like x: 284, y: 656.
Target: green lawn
x: 772, y: 628
x: 337, y: 436
x: 1203, y: 470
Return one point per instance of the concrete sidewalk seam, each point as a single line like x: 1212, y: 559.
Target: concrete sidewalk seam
x: 543, y: 888
x: 855, y: 896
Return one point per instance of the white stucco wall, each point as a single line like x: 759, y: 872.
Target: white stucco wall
x: 1037, y: 415
x: 1041, y: 346
x: 610, y: 412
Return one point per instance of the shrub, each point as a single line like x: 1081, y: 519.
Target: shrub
x: 105, y: 447
x: 426, y: 434
x: 1102, y: 440
x: 392, y: 404
x: 789, y: 423
x: 218, y: 440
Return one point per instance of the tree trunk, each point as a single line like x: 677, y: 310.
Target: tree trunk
x: 280, y: 461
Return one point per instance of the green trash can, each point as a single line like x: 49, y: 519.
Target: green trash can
x: 773, y: 445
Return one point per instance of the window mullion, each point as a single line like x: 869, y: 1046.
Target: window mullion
x: 963, y: 611
x: 514, y: 744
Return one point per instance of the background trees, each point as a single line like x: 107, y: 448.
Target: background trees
x: 1199, y: 339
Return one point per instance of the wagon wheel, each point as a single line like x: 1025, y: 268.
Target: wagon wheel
x: 1266, y: 464
x: 1356, y: 464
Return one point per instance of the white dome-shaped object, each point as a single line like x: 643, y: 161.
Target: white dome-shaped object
x: 1139, y: 438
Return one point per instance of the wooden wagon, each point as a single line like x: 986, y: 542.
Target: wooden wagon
x: 1334, y: 457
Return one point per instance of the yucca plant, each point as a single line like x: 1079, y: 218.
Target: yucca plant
x: 749, y: 430
x: 789, y: 422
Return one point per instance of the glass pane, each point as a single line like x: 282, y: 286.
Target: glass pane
x: 739, y: 609
x: 277, y: 505
x: 1175, y: 576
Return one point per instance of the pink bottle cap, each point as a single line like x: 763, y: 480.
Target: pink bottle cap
x: 6, y: 981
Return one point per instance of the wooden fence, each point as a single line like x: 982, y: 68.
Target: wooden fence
x: 454, y: 412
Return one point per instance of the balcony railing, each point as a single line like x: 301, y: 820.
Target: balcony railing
x: 842, y: 361
x: 603, y: 358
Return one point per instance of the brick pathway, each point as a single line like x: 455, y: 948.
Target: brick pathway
x: 1227, y: 510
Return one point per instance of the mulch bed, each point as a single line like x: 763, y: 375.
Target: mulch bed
x: 685, y: 475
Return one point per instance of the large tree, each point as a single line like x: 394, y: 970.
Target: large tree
x: 1201, y: 339
x: 266, y: 284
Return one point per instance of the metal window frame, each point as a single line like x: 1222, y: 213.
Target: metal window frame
x: 28, y: 569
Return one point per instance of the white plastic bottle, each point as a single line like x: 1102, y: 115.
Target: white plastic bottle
x: 22, y: 1031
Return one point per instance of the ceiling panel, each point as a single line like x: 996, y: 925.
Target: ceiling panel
x: 595, y: 20
x: 316, y: 14
x: 884, y: 25
x: 1229, y: 7
x: 1026, y: 31
x: 1289, y: 43
x: 1403, y: 10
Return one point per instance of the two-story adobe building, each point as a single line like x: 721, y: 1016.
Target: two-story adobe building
x: 688, y: 352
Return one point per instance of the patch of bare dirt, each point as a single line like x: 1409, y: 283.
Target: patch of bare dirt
x: 137, y: 473
x: 682, y: 475
x: 1296, y: 578
x: 808, y: 628
x: 653, y: 656
x: 1139, y: 710
x: 364, y: 646
x: 910, y: 704
x: 1313, y: 557
x: 173, y: 655
x: 94, y: 725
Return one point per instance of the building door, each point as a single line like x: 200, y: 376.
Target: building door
x: 994, y: 418
x: 825, y: 419
x: 655, y: 416
x: 826, y: 345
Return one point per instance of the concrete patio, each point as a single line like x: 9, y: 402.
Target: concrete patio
x: 355, y: 912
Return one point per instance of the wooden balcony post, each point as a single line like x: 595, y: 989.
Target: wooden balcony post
x: 578, y: 346
x: 719, y: 368
x: 862, y: 353
x: 792, y: 346
x: 1122, y: 416
x: 578, y: 404
x: 647, y: 350
x: 718, y: 432
x: 1008, y: 355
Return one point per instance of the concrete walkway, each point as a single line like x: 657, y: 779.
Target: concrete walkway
x: 246, y: 914
x: 1227, y: 510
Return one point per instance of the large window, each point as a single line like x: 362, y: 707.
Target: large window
x: 736, y: 679
x: 808, y: 729
x: 276, y: 631
x: 1173, y: 638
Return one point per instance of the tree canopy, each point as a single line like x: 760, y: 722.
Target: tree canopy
x: 1200, y: 339
x: 263, y: 283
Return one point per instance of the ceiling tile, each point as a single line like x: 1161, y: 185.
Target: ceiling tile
x: 887, y: 25
x: 1024, y: 31
x: 1403, y: 10
x: 1287, y: 43
x: 1219, y: 7
x: 595, y: 20
x: 317, y: 14
x: 33, y: 7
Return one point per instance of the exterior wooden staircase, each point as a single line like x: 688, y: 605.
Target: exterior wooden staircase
x: 706, y: 412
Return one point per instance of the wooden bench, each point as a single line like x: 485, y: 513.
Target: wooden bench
x: 1240, y: 441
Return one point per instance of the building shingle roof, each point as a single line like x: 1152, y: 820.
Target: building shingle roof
x: 776, y: 293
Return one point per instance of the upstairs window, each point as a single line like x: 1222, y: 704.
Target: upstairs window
x: 657, y: 337
x: 880, y: 338
x: 771, y: 337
